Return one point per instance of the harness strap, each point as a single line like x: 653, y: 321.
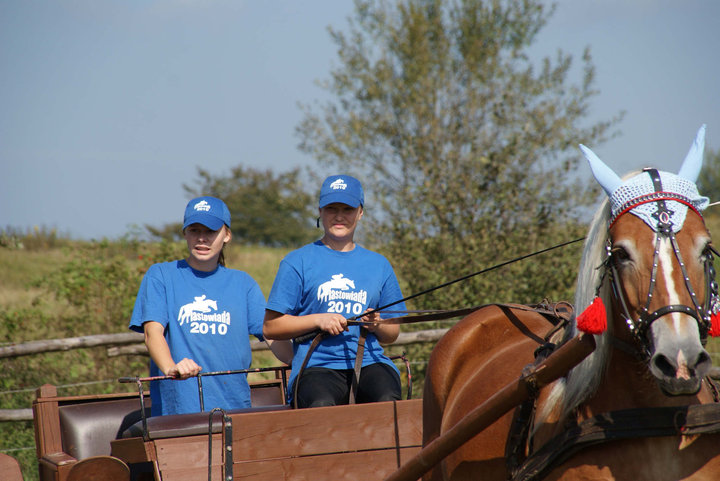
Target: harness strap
x: 616, y: 425
x: 319, y: 337
x: 358, y: 364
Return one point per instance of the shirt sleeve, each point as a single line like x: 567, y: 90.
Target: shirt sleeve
x: 255, y: 309
x: 391, y: 292
x: 151, y: 301
x: 285, y: 295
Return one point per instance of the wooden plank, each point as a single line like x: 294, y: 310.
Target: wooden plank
x: 187, y: 452
x: 358, y: 466
x: 410, y: 422
x: 326, y: 430
x: 133, y: 450
x: 47, y: 421
x: 327, y: 439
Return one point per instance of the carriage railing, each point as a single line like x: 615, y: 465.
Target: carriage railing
x: 282, y: 370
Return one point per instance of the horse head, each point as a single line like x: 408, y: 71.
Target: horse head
x: 657, y: 269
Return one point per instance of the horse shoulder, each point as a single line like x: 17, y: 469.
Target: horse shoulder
x: 478, y: 356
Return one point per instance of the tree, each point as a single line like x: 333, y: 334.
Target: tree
x: 468, y: 150
x: 709, y: 179
x: 266, y: 209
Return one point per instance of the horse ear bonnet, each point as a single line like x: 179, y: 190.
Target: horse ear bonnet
x: 623, y: 193
x: 623, y: 196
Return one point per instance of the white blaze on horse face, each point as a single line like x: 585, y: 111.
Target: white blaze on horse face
x: 682, y: 372
x: 665, y: 269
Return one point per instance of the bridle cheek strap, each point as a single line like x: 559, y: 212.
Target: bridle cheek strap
x: 664, y: 230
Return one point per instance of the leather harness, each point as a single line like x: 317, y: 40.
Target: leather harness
x: 559, y: 314
x: 628, y: 423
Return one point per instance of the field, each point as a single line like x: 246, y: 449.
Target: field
x: 41, y: 297
x: 55, y: 288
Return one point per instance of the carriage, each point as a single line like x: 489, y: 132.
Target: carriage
x: 620, y: 391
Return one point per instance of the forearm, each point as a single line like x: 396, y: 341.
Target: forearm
x: 284, y: 326
x: 387, y: 333
x: 157, y: 346
x: 283, y: 350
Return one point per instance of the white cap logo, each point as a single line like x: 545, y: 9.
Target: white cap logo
x: 338, y: 184
x: 202, y: 206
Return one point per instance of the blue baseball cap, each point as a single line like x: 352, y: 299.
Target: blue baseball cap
x: 208, y: 211
x: 343, y: 189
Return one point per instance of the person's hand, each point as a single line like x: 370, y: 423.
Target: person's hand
x: 374, y: 318
x: 331, y: 323
x: 184, y: 369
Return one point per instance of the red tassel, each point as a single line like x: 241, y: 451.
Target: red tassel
x: 715, y: 324
x: 593, y: 320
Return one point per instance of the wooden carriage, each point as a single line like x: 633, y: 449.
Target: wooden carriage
x: 102, y: 437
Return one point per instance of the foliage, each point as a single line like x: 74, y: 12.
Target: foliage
x: 100, y: 280
x: 37, y: 238
x: 709, y: 179
x: 86, y: 288
x: 468, y: 152
x: 266, y: 209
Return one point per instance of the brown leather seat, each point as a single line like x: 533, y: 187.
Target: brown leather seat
x: 176, y: 425
x: 87, y: 428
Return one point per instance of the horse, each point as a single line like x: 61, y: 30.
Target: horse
x: 641, y: 406
x: 200, y: 304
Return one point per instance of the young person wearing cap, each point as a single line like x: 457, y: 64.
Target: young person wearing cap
x: 196, y: 315
x: 322, y: 284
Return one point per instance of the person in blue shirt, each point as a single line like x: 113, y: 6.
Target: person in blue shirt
x: 320, y: 286
x: 197, y: 315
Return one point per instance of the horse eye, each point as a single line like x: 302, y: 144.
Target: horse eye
x: 619, y: 254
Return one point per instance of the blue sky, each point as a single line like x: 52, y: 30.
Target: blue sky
x: 108, y: 107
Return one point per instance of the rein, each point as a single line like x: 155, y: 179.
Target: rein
x: 317, y: 335
x: 354, y: 320
x: 559, y: 314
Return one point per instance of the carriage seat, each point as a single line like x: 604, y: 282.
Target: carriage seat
x: 87, y: 428
x: 191, y: 424
x: 264, y: 396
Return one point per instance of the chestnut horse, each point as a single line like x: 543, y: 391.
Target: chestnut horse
x: 630, y: 410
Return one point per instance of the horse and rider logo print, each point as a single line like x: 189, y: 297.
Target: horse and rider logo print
x: 337, y: 293
x: 199, y: 314
x: 338, y: 184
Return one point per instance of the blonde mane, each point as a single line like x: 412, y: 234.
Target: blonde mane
x: 581, y: 382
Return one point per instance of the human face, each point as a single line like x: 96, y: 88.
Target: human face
x: 205, y: 245
x: 340, y: 220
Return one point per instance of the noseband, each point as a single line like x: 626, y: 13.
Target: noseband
x: 664, y: 229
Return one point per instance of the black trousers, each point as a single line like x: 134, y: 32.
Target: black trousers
x: 320, y: 386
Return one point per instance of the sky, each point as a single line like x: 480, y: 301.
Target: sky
x: 107, y: 107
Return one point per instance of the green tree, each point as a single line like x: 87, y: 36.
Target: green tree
x: 267, y: 209
x: 709, y: 179
x: 467, y: 148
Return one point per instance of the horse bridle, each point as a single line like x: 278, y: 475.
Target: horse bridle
x: 701, y: 313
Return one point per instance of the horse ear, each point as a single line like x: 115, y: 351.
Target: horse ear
x: 692, y: 164
x: 605, y: 176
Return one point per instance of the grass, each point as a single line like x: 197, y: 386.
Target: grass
x: 260, y: 262
x: 25, y: 260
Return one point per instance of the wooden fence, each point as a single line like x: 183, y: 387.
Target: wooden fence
x: 131, y: 343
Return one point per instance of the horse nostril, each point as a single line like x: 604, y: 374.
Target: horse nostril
x: 702, y: 360
x: 665, y: 366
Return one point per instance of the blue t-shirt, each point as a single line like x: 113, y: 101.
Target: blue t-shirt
x: 316, y: 279
x: 208, y: 317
